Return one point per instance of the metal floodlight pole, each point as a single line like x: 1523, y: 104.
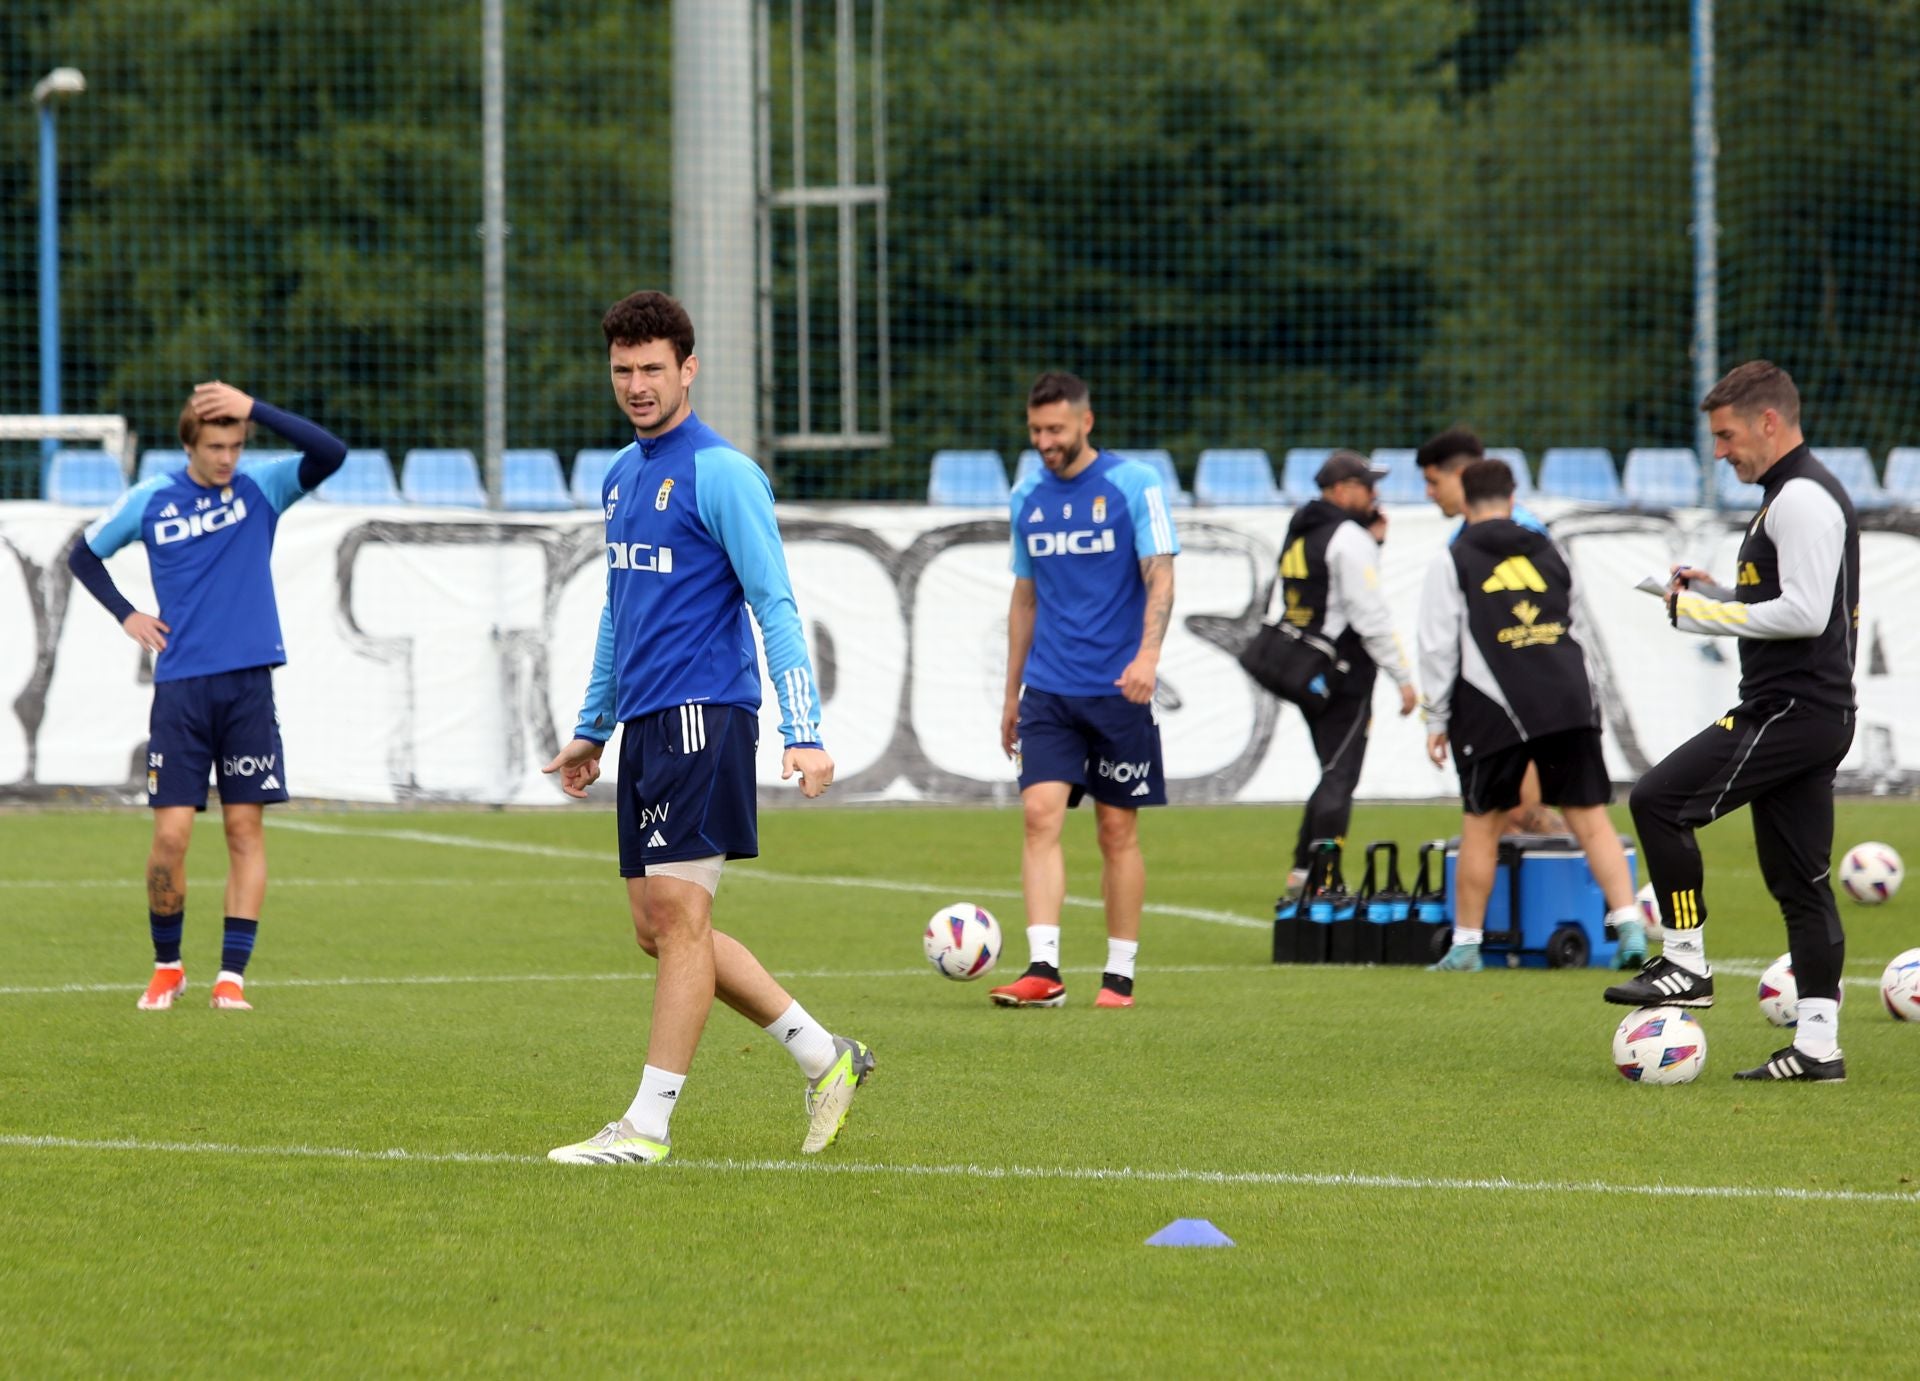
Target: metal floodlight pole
x: 493, y: 233
x: 1706, y: 235
x: 61, y: 81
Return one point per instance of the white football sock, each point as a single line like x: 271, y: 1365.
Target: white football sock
x: 1043, y: 944
x: 1466, y: 935
x: 1819, y: 1032
x: 810, y: 1043
x: 1625, y: 914
x: 1120, y: 955
x: 653, y: 1106
x: 229, y: 976
x: 1688, y: 949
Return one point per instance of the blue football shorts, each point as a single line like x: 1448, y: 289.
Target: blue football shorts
x: 687, y: 786
x: 226, y: 722
x: 1104, y: 746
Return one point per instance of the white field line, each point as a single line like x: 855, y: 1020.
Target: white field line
x: 751, y: 873
x: 1096, y: 1174
x: 638, y: 976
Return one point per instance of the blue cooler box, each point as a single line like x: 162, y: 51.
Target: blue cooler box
x: 1546, y: 910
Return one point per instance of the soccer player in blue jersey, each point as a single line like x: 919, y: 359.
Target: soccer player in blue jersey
x: 1093, y: 549
x: 692, y: 545
x: 208, y: 531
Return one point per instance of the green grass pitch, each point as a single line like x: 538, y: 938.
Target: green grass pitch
x: 1422, y: 1173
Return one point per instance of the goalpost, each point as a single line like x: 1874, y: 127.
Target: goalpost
x: 110, y: 432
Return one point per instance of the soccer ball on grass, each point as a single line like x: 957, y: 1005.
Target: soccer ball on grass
x: 1871, y: 873
x: 1659, y: 1045
x: 963, y: 941
x: 1900, y: 986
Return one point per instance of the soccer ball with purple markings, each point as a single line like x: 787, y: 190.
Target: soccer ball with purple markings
x: 1659, y: 1045
x: 1779, y: 994
x: 1900, y: 986
x: 963, y: 941
x: 1871, y: 873
x: 1649, y: 908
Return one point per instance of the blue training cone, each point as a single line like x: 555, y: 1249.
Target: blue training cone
x: 1189, y: 1232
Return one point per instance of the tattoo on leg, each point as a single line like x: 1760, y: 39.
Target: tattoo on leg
x: 164, y: 896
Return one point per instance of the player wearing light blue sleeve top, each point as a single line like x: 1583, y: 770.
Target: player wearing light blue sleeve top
x: 1093, y: 548
x: 208, y: 531
x: 692, y: 545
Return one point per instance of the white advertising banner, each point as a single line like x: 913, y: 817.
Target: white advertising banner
x: 441, y: 656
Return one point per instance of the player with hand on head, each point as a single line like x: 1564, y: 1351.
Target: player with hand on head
x: 208, y: 532
x: 692, y: 545
x: 1508, y: 691
x: 1795, y: 607
x: 1093, y: 549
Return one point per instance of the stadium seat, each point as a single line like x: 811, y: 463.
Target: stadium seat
x: 1730, y: 494
x: 1403, y: 482
x: 1028, y: 463
x: 1662, y: 477
x: 1169, y: 477
x: 365, y: 477
x: 83, y: 478
x: 531, y: 482
x: 1235, y: 479
x: 1299, y: 468
x: 1580, y: 472
x: 1902, y: 480
x: 159, y: 462
x: 446, y: 478
x: 967, y: 479
x: 1516, y: 460
x: 1853, y: 467
x: 589, y: 476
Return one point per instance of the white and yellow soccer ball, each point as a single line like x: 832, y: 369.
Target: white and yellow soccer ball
x: 1900, y: 986
x: 963, y: 941
x: 1871, y: 873
x: 1659, y: 1045
x: 1779, y: 994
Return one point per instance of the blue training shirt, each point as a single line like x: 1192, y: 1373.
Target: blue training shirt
x: 1081, y: 542
x: 209, y: 552
x: 691, y: 545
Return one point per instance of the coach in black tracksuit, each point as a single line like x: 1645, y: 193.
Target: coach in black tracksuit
x: 1329, y: 588
x: 1795, y: 608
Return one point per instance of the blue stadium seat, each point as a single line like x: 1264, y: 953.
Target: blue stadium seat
x: 1298, y: 469
x: 1235, y: 479
x: 159, y: 462
x: 1516, y: 460
x: 1853, y: 467
x: 530, y: 481
x: 83, y: 478
x: 1580, y: 472
x: 1662, y: 477
x: 589, y: 476
x: 1902, y: 480
x: 447, y: 478
x: 1403, y: 482
x: 365, y: 477
x: 1169, y: 477
x: 1028, y: 463
x: 1729, y: 494
x: 967, y: 479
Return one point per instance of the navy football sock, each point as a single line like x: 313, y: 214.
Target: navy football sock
x: 237, y: 946
x: 166, y: 935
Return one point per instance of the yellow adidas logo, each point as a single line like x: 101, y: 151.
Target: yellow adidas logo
x: 1683, y: 912
x: 1726, y: 723
x: 1515, y: 573
x: 1293, y: 565
x: 1749, y: 573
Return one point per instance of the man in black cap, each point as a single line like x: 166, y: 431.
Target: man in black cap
x: 1329, y: 590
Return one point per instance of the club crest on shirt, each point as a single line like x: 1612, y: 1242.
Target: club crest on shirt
x: 1100, y: 508
x: 660, y: 499
x: 226, y: 495
x: 1066, y: 511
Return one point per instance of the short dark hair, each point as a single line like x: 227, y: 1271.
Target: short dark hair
x: 643, y: 316
x: 1450, y: 445
x: 1485, y: 482
x: 1754, y: 387
x: 191, y: 422
x: 1058, y: 386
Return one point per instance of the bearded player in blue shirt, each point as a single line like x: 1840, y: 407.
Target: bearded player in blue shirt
x: 692, y: 545
x: 208, y: 531
x: 1093, y: 549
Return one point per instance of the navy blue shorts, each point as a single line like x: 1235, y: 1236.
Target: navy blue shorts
x: 226, y: 721
x: 687, y: 786
x: 1104, y: 746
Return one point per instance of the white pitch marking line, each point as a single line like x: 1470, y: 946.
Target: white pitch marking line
x: 641, y: 976
x: 752, y: 874
x: 1096, y: 1174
